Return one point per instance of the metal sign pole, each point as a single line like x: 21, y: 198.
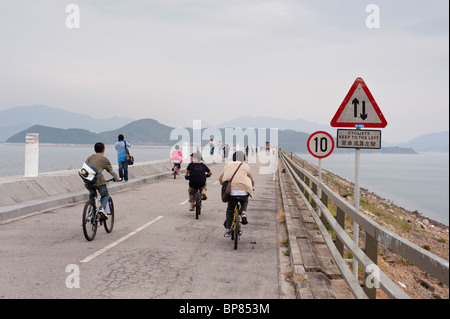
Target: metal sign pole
x: 353, y: 114
x: 320, y: 185
x: 355, y: 225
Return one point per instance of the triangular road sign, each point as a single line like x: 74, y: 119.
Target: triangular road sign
x: 359, y: 109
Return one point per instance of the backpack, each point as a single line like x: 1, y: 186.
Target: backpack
x: 88, y: 173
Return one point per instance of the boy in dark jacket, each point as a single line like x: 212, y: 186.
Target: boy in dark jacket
x: 196, y: 174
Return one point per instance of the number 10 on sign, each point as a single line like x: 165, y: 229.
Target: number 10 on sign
x: 320, y: 144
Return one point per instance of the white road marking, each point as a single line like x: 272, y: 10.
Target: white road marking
x: 184, y: 202
x: 101, y: 251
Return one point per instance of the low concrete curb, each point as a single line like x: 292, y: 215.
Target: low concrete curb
x: 20, y: 196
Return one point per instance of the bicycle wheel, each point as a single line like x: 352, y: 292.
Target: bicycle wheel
x: 109, y: 223
x: 237, y: 226
x: 89, y: 221
x: 232, y: 225
x: 198, y: 204
x: 175, y: 172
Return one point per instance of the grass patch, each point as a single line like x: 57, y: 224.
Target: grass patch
x: 386, y: 217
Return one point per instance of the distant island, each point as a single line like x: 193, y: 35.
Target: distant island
x: 56, y: 126
x: 151, y: 132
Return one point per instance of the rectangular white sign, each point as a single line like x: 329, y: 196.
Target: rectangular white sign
x: 359, y: 139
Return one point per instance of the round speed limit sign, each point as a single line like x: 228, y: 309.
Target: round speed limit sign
x: 320, y: 144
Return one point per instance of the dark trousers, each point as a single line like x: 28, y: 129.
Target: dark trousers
x: 123, y: 170
x: 102, y: 190
x: 243, y: 200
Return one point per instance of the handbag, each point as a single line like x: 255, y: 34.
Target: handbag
x: 226, y: 187
x: 129, y: 158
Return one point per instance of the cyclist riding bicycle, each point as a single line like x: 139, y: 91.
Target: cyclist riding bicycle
x: 241, y: 188
x: 100, y: 163
x: 177, y: 158
x: 196, y: 174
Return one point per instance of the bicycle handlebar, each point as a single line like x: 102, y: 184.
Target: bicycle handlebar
x: 187, y: 177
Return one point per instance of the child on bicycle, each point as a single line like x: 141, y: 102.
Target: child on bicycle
x: 100, y: 163
x: 196, y: 174
x: 177, y: 158
x: 241, y: 188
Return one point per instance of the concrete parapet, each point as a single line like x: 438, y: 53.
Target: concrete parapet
x: 25, y: 195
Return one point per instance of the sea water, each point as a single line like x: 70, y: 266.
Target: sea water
x: 412, y: 181
x: 58, y: 158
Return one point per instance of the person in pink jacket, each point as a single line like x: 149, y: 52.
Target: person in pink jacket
x: 177, y: 158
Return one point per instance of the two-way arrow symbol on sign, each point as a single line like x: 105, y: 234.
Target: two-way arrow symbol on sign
x: 350, y: 114
x: 363, y: 114
x: 355, y: 103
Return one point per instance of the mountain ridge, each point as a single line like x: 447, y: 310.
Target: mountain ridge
x: 16, y: 119
x: 299, y: 125
x: 431, y: 142
x: 152, y: 132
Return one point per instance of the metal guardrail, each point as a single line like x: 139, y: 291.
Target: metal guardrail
x: 367, y: 257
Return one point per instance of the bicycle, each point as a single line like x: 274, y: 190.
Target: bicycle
x: 91, y: 217
x: 236, y: 231
x: 198, y: 198
x: 175, y: 170
x: 198, y: 203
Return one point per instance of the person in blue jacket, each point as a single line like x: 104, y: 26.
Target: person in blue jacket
x: 122, y: 157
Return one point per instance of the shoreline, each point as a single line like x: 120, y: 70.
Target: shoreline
x: 424, y: 232
x: 437, y: 214
x: 415, y: 213
x: 87, y: 145
x: 364, y: 192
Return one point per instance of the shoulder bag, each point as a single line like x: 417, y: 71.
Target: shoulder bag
x: 226, y: 187
x: 88, y: 172
x: 130, y: 158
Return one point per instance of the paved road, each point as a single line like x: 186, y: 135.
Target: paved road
x: 156, y: 250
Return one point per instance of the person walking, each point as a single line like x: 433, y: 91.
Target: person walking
x: 211, y: 147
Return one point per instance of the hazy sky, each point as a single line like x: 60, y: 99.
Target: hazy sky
x: 215, y: 60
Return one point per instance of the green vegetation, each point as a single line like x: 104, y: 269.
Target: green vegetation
x: 385, y: 216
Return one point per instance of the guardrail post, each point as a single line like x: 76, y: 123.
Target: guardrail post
x: 324, y: 200
x: 306, y: 180
x: 302, y: 177
x: 314, y: 189
x: 340, y: 218
x: 371, y: 250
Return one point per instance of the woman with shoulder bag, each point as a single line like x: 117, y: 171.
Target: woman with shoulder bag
x: 242, y: 184
x: 121, y: 147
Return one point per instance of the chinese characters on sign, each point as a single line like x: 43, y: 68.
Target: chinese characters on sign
x: 359, y: 139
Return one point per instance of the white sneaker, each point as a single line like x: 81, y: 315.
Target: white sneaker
x: 227, y: 233
x: 102, y: 213
x: 244, y: 219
